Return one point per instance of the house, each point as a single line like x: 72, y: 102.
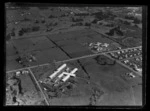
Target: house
x: 18, y: 73
x: 126, y: 61
x: 130, y: 74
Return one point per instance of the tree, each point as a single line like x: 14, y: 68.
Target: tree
x: 94, y: 21
x: 136, y: 21
x: 35, y: 28
x: 8, y: 37
x: 20, y: 33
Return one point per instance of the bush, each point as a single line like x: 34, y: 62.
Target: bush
x: 20, y: 33
x: 8, y: 37
x: 129, y: 17
x: 136, y: 21
x: 94, y: 21
x: 35, y: 28
x: 77, y: 20
x: 51, y: 16
x: 126, y: 23
x: 87, y: 24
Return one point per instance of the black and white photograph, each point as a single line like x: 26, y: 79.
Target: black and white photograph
x: 72, y: 55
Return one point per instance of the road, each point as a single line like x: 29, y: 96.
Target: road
x: 39, y: 87
x: 119, y: 62
x: 92, y: 55
x: 74, y: 59
x: 27, y: 68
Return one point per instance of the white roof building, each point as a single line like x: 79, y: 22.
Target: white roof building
x: 70, y: 74
x: 58, y: 70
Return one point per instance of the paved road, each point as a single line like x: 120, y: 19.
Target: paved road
x: 119, y: 62
x: 74, y: 59
x: 39, y: 86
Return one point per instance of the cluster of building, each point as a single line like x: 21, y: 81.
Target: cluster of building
x: 128, y: 53
x: 135, y: 64
x: 61, y: 75
x: 127, y: 56
x: 98, y: 47
x: 130, y: 75
x: 21, y: 72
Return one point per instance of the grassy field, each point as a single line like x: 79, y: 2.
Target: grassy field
x: 31, y: 44
x: 117, y: 90
x: 11, y: 63
x: 10, y: 51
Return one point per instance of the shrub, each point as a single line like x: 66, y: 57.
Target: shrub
x: 35, y: 28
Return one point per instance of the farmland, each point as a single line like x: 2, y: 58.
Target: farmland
x: 41, y: 39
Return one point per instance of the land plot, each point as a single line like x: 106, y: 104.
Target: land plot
x: 80, y: 53
x: 71, y: 35
x: 74, y: 48
x: 50, y: 55
x: 10, y: 51
x: 67, y: 43
x: 84, y: 40
x: 27, y: 93
x: 79, y: 95
x: 118, y: 99
x: 11, y: 63
x: 9, y: 58
x: 43, y: 71
x: 59, y: 37
x: 108, y: 76
x: 30, y: 44
x: 42, y: 43
x: 137, y: 90
x: 101, y: 38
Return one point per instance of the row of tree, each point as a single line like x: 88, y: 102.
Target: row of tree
x: 27, y: 30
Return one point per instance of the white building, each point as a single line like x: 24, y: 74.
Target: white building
x: 58, y: 70
x: 70, y: 74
